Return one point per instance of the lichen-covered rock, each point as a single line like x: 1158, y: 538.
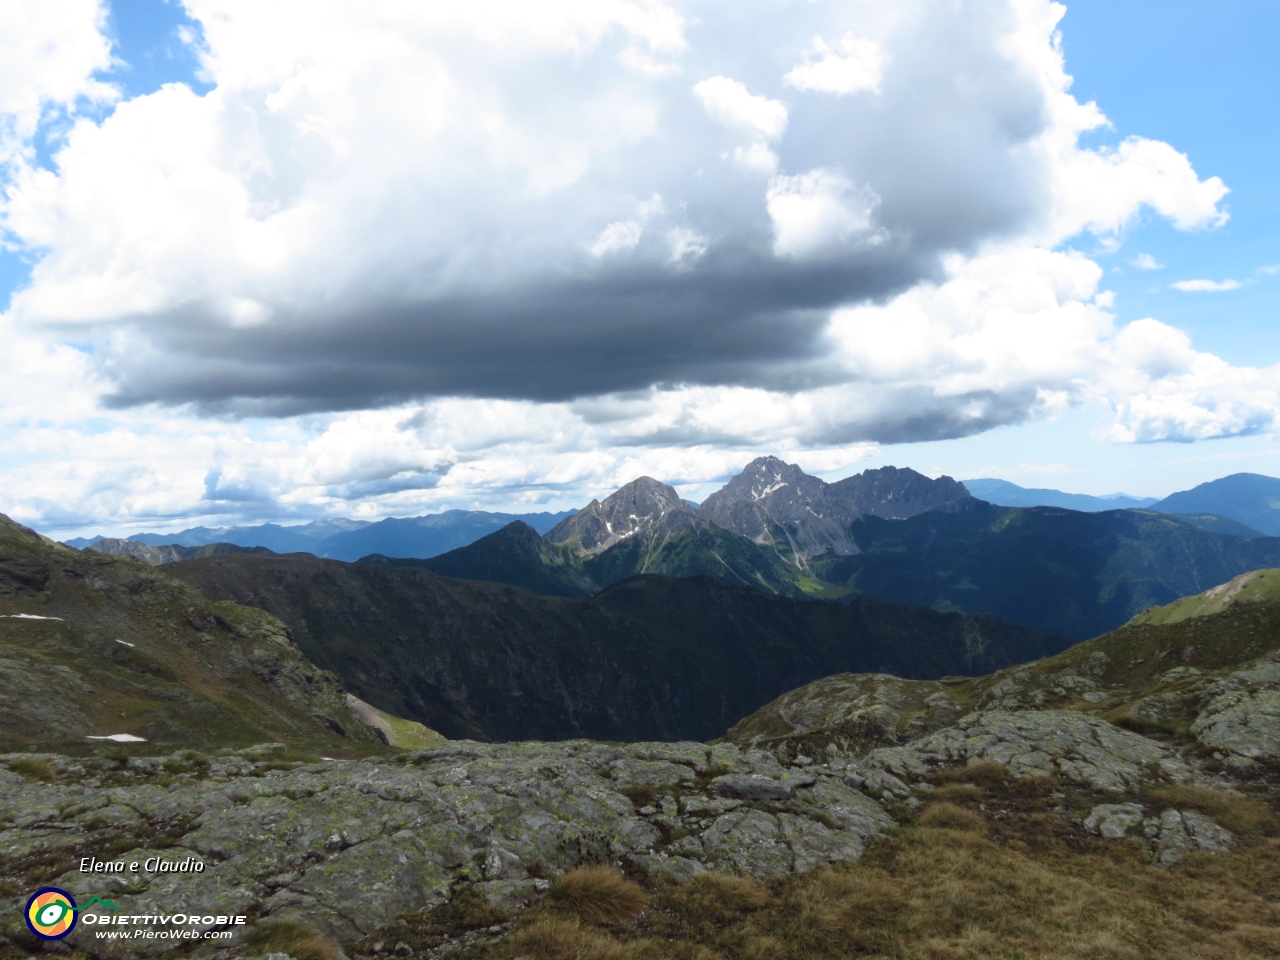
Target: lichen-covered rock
x: 1073, y: 745
x: 1114, y: 820
x: 349, y: 845
x: 1243, y: 717
x: 752, y: 786
x: 1180, y: 832
x: 1172, y: 835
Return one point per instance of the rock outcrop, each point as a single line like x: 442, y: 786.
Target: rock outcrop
x: 1171, y: 834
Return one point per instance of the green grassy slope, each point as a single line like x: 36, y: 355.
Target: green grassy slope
x: 1253, y: 587
x: 515, y: 555
x: 711, y: 552
x: 92, y: 645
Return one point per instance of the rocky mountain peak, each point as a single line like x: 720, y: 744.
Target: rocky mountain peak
x: 643, y: 507
x: 775, y: 502
x: 896, y: 493
x: 764, y: 477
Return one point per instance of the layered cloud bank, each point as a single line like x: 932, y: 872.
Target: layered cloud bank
x: 410, y: 255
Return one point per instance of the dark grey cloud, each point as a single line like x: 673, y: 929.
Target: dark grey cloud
x: 733, y: 318
x: 433, y: 269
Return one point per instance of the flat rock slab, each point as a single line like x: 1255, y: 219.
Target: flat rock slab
x: 349, y: 845
x: 1073, y: 745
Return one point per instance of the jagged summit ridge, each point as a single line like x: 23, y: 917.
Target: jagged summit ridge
x: 642, y: 507
x: 774, y: 502
x: 896, y: 493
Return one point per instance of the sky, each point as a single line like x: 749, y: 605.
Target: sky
x: 280, y: 262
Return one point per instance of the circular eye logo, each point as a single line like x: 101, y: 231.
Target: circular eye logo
x: 51, y: 913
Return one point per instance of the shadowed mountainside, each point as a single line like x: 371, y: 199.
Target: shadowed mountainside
x: 1052, y: 570
x: 685, y: 546
x: 652, y: 657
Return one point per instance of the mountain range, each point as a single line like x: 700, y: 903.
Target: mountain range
x: 1052, y: 570
x: 1006, y: 494
x: 1244, y: 504
x: 809, y: 518
x: 344, y: 539
x: 889, y: 533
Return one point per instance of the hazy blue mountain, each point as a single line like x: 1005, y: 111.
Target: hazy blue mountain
x: 342, y: 539
x: 1249, y: 498
x: 281, y: 539
x: 1005, y: 494
x: 431, y: 535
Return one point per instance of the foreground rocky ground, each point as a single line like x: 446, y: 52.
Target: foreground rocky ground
x: 351, y: 847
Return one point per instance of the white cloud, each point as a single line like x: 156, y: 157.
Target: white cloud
x: 617, y: 237
x: 1205, y: 286
x: 853, y: 64
x: 49, y: 53
x: 814, y: 211
x: 1270, y: 271
x: 354, y: 163
x: 730, y: 102
x: 1145, y: 261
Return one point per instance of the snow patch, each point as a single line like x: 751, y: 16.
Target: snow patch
x: 25, y: 616
x: 773, y: 487
x: 120, y: 738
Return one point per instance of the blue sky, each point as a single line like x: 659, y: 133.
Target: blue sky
x: 1205, y: 78
x: 385, y: 262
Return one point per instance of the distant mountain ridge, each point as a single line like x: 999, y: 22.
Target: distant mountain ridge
x: 760, y: 530
x: 167, y: 553
x: 342, y: 539
x: 1248, y: 498
x: 644, y: 507
x: 1005, y: 494
x: 1050, y: 569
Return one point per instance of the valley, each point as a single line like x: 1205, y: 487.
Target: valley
x: 650, y: 657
